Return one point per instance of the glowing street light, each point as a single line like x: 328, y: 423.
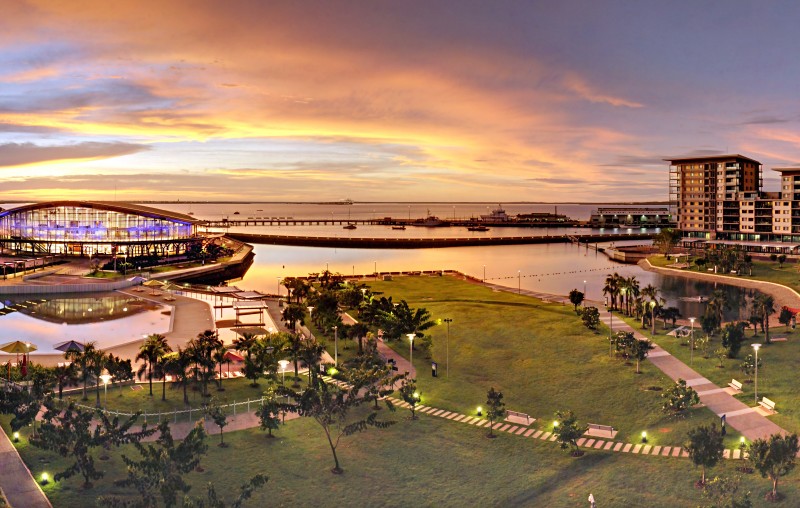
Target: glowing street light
x: 16, y: 437
x: 411, y: 349
x: 756, y: 347
x: 283, y: 364
x: 447, y: 347
x: 106, y: 377
x: 336, y: 345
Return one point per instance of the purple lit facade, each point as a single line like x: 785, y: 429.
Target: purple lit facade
x: 88, y: 228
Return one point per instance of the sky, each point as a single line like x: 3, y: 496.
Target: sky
x: 383, y: 100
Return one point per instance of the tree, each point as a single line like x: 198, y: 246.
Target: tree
x: 678, y: 398
x: 667, y: 239
x: 723, y: 492
x: 640, y: 350
x: 402, y: 320
x: 330, y: 406
x: 671, y: 314
x: 95, y: 363
x: 65, y: 375
x: 654, y: 301
x: 72, y: 434
x: 748, y: 366
x: 372, y: 377
x: 214, y: 411
x: 611, y: 288
x: 160, y: 469
x: 704, y: 446
x: 155, y: 346
x: 177, y: 364
x: 700, y: 263
x: 81, y: 359
x: 494, y: 408
x: 294, y: 313
x: 590, y: 317
x: 201, y: 350
x: 576, y: 298
x: 219, y: 358
x: 120, y: 370
x: 717, y: 305
x: 732, y: 337
x: 269, y: 412
x: 247, y: 344
x: 781, y: 260
x: 568, y: 431
x: 410, y: 395
x: 311, y: 354
x: 764, y: 306
x: 785, y: 317
x: 774, y: 458
x: 294, y: 345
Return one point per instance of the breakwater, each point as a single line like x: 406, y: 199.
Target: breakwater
x: 428, y: 243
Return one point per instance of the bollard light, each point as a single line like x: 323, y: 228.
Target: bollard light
x: 16, y: 437
x: 480, y: 411
x: 555, y: 424
x: 45, y: 479
x: 644, y: 436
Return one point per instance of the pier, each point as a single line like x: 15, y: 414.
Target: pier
x: 384, y: 221
x: 427, y: 243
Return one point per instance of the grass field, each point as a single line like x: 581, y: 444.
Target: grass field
x: 539, y: 355
x: 428, y: 462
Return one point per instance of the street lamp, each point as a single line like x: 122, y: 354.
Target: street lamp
x: 484, y: 274
x: 375, y: 271
x: 584, y: 292
x: 335, y: 345
x: 279, y: 288
x: 105, y: 378
x: 691, y: 342
x: 283, y: 364
x: 519, y: 281
x: 411, y: 349
x: 756, y: 347
x: 447, y: 348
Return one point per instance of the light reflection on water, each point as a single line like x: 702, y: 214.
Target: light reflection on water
x: 106, y: 318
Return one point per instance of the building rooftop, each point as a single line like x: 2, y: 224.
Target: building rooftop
x: 113, y: 206
x: 712, y: 158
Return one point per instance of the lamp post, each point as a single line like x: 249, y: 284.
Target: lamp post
x: 411, y: 349
x: 279, y: 288
x: 283, y: 364
x: 447, y: 348
x: 376, y: 270
x: 519, y: 281
x: 484, y: 274
x: 335, y: 346
x: 105, y: 378
x: 756, y: 347
x: 691, y: 342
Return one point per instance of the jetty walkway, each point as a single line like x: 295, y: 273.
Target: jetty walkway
x: 426, y: 243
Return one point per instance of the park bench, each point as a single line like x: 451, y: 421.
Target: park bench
x: 736, y: 385
x: 597, y: 430
x: 517, y: 417
x: 767, y: 404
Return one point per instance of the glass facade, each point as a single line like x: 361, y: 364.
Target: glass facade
x: 107, y: 231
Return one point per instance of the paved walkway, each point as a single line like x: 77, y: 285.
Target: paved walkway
x: 747, y: 420
x: 19, y: 486
x: 401, y: 362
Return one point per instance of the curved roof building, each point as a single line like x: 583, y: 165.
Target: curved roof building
x: 95, y: 227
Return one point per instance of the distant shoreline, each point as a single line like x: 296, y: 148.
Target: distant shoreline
x: 598, y: 203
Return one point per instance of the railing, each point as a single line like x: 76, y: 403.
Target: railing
x: 176, y: 415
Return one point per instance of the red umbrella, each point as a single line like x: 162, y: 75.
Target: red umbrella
x: 230, y: 356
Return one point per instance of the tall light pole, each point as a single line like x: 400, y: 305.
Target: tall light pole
x: 447, y: 348
x: 519, y: 281
x: 335, y: 346
x: 105, y: 378
x: 484, y: 274
x: 279, y: 288
x: 310, y: 309
x: 411, y: 349
x: 283, y: 364
x: 584, y: 293
x: 376, y: 270
x: 756, y: 347
x: 691, y: 342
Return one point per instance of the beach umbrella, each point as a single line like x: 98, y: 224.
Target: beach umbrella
x: 70, y: 345
x: 230, y: 356
x: 153, y: 283
x: 18, y: 347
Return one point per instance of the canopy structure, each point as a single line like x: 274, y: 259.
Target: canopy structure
x: 18, y: 347
x: 70, y: 345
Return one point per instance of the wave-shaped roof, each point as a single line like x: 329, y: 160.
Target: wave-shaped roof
x: 111, y: 206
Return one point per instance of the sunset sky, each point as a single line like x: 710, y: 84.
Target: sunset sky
x: 388, y: 100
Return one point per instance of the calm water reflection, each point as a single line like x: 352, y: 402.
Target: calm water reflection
x: 551, y: 268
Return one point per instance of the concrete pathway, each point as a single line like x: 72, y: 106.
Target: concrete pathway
x: 401, y: 362
x: 19, y: 486
x: 747, y: 420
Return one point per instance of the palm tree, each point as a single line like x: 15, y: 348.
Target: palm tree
x: 81, y: 358
x: 65, y: 375
x: 765, y: 307
x: 201, y: 349
x: 718, y: 303
x: 154, y: 347
x: 96, y: 362
x: 359, y: 331
x: 651, y: 293
x: 292, y: 314
x: 247, y: 344
x: 632, y: 290
x: 311, y: 353
x: 219, y: 358
x: 294, y: 346
x: 177, y: 364
x: 611, y: 288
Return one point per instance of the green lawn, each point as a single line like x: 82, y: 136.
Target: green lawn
x: 539, y: 355
x: 428, y: 462
x: 776, y: 377
x: 769, y: 271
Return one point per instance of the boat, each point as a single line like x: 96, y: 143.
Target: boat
x: 401, y: 227
x: 236, y: 213
x: 350, y: 226
x: 497, y: 215
x: 477, y: 228
x: 431, y: 221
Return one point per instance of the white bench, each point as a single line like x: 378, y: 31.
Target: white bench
x: 736, y: 385
x: 517, y: 417
x: 597, y: 430
x: 767, y: 404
